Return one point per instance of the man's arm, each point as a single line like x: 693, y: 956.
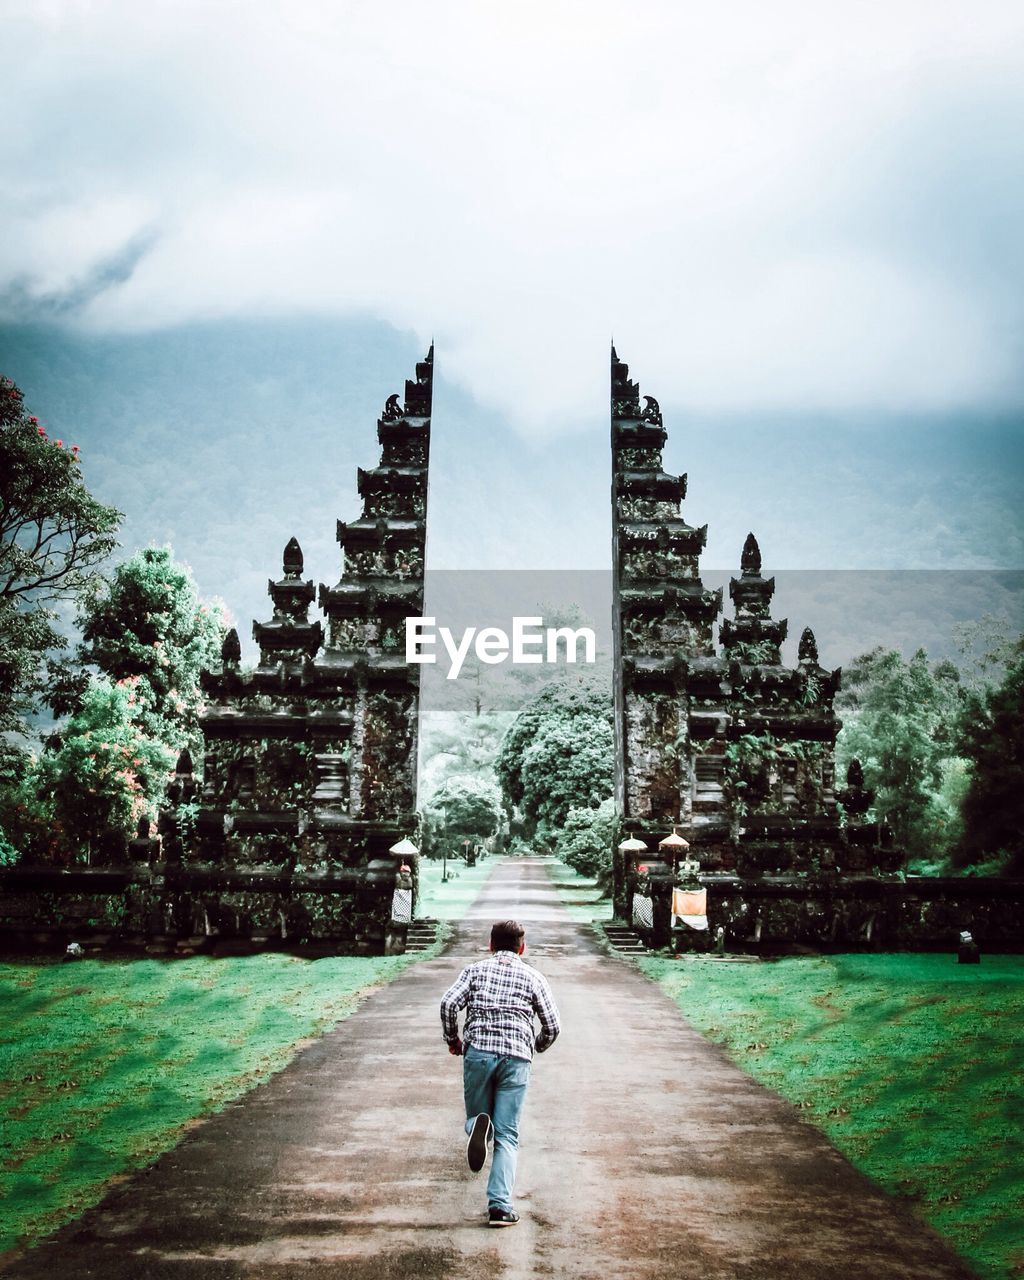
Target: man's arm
x: 454, y: 999
x: 544, y: 1007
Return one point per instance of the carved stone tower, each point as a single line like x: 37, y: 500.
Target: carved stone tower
x: 309, y: 775
x: 731, y: 749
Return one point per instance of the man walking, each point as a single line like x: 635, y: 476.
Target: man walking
x: 501, y: 996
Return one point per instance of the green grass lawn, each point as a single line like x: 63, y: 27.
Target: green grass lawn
x: 104, y: 1063
x: 580, y: 894
x: 449, y: 901
x: 912, y: 1064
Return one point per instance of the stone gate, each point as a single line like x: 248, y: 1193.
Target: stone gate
x: 295, y: 830
x: 721, y: 745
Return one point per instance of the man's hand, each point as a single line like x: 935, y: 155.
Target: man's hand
x: 455, y: 1047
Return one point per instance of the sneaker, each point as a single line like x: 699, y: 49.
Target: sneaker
x: 479, y: 1136
x: 501, y: 1218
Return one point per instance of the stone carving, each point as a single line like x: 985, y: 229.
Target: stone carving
x: 856, y: 799
x: 808, y: 649
x: 652, y: 410
x: 231, y: 650
x: 750, y: 559
x: 293, y: 559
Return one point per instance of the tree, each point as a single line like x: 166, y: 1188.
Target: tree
x: 900, y: 721
x: 53, y: 536
x: 149, y: 635
x: 465, y: 808
x: 148, y: 625
x: 989, y: 647
x: 558, y: 755
x: 102, y: 773
x: 457, y: 745
x: 993, y: 743
x: 588, y: 838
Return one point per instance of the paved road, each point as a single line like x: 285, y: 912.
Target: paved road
x: 645, y: 1154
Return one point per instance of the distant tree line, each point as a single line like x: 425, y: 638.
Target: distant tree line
x: 942, y: 746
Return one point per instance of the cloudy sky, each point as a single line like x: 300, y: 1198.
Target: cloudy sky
x: 792, y: 206
x: 227, y: 231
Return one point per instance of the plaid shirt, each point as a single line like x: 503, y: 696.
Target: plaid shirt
x: 500, y: 995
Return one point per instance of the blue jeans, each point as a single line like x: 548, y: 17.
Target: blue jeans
x: 495, y: 1084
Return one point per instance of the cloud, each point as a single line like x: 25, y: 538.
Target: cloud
x: 790, y: 206
x: 39, y: 297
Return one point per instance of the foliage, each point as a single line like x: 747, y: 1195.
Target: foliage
x: 8, y: 853
x: 102, y: 772
x: 909, y: 1063
x: 459, y: 743
x: 745, y: 779
x: 588, y: 837
x: 53, y: 535
x: 149, y: 635
x: 464, y: 721
x: 751, y: 767
x: 558, y: 755
x: 754, y: 652
x: 466, y: 807
x: 148, y: 625
x: 988, y: 647
x: 94, y: 1083
x: 993, y: 806
x: 900, y: 721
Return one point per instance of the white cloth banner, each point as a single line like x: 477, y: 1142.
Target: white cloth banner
x: 690, y: 907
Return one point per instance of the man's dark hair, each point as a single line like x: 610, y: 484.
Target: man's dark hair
x: 507, y: 935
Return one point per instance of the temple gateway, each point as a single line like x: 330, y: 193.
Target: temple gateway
x: 724, y: 757
x: 297, y: 828
x: 309, y: 778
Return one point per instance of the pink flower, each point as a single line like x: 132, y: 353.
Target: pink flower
x: 41, y: 430
x: 34, y: 421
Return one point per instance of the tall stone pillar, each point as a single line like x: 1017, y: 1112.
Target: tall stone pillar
x: 309, y: 772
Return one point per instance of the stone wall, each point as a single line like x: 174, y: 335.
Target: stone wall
x: 865, y: 912
x: 178, y: 909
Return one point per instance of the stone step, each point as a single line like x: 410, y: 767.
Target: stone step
x: 624, y: 940
x: 421, y: 934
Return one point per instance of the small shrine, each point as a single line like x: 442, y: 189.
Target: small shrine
x: 723, y: 746
x: 308, y: 795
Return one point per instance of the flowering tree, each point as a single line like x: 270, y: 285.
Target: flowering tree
x: 53, y: 536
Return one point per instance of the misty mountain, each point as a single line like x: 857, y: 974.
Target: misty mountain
x: 225, y: 438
